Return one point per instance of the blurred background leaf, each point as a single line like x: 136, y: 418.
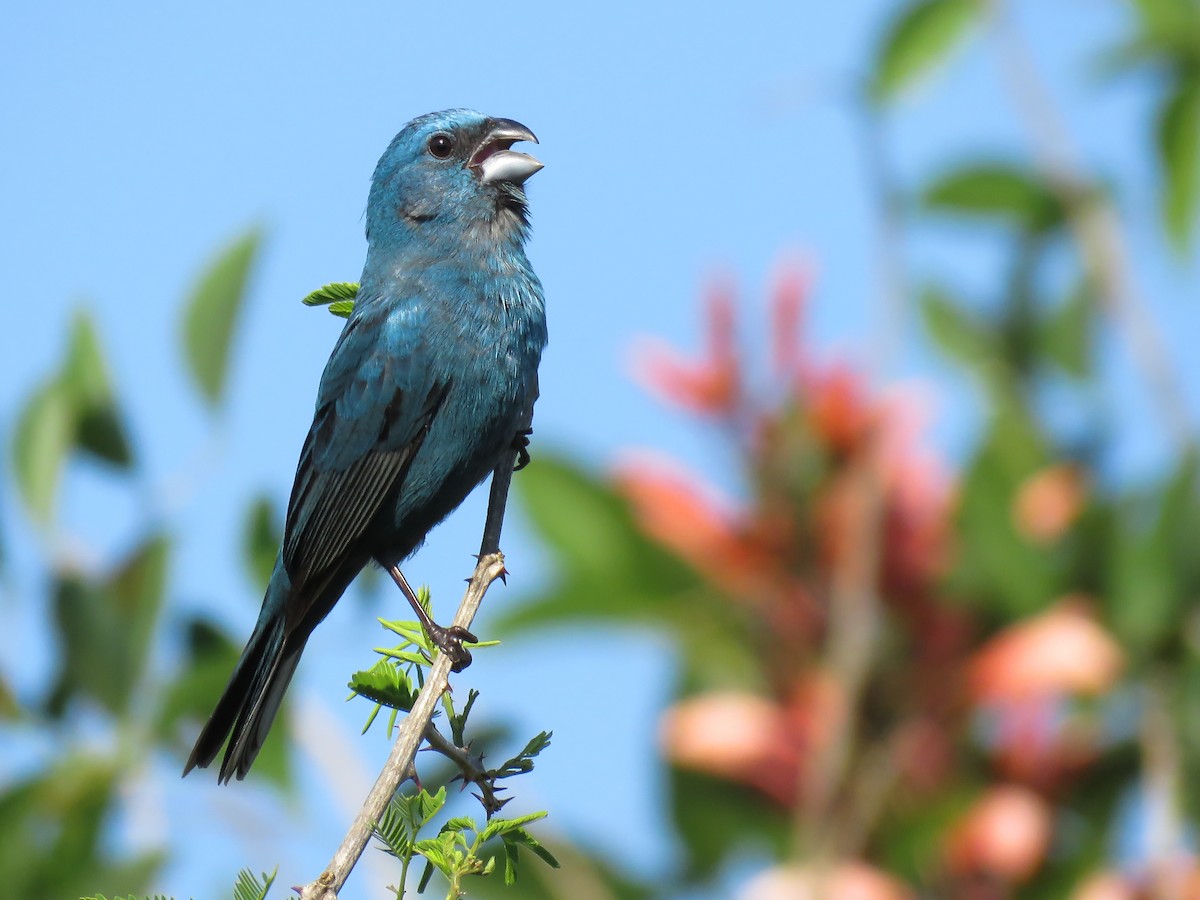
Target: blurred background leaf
x: 859, y: 637
x: 919, y: 38
x: 211, y: 314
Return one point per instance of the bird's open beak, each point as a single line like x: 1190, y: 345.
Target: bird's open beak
x: 496, y: 162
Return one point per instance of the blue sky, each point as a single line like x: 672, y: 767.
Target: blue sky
x: 679, y: 141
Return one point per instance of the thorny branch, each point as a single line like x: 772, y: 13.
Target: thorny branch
x: 416, y: 724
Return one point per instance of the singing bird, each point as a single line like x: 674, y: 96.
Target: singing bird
x: 428, y: 389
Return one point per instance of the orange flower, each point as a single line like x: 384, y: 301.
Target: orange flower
x: 838, y: 409
x: 712, y: 385
x: 702, y: 530
x: 1061, y: 651
x: 1004, y: 835
x: 787, y: 308
x: 1048, y: 502
x: 748, y: 739
x: 737, y: 736
x: 850, y: 880
x: 915, y: 493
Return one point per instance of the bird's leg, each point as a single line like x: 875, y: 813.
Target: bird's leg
x: 521, y: 445
x: 447, y: 640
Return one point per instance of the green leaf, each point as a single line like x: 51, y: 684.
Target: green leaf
x: 1166, y: 37
x: 137, y: 590
x: 539, y: 849
x: 1065, y: 337
x: 212, y: 313
x: 913, y: 834
x: 386, y: 685
x: 105, y: 628
x: 499, y: 826
x: 53, y: 830
x: 459, y: 824
x: 408, y: 656
x: 516, y: 838
x: 339, y: 296
x: 458, y: 720
x: 248, y: 887
x: 716, y: 820
x: 9, y: 707
x: 99, y: 429
x: 425, y: 876
x: 424, y: 805
x: 918, y: 40
x: 402, y: 821
x: 43, y: 437
x: 1143, y: 605
x: 536, y: 744
x: 1179, y: 156
x: 511, y: 852
x: 262, y: 535
x: 336, y: 292
x: 523, y: 761
x: 75, y: 409
x: 442, y: 852
x: 957, y: 332
x: 207, y: 658
x: 997, y: 568
x: 1152, y: 562
x: 575, y: 868
x: 394, y: 831
x: 410, y: 631
x: 997, y: 190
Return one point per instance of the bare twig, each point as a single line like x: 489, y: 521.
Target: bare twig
x: 400, y: 762
x: 849, y: 655
x: 855, y: 616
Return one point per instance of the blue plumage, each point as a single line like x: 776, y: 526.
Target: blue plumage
x: 423, y: 395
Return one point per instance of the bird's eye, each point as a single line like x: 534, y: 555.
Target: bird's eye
x: 441, y: 146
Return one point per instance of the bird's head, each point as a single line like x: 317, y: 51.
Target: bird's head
x: 451, y: 166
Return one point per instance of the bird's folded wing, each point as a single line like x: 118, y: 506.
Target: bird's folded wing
x: 331, y: 510
x: 373, y: 412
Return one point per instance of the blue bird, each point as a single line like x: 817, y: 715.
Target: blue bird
x: 428, y: 389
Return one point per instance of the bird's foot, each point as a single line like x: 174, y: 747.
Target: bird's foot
x: 521, y: 445
x: 449, y: 641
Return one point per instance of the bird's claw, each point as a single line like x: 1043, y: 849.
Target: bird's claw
x: 521, y: 445
x: 450, y: 642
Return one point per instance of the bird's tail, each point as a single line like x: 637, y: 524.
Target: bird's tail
x: 256, y: 688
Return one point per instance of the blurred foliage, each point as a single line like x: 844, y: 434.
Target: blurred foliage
x: 211, y: 315
x: 899, y: 677
x: 896, y: 677
x: 73, y: 411
x: 918, y: 40
x: 111, y: 622
x: 1166, y: 39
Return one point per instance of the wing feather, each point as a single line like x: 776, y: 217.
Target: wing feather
x: 374, y: 409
